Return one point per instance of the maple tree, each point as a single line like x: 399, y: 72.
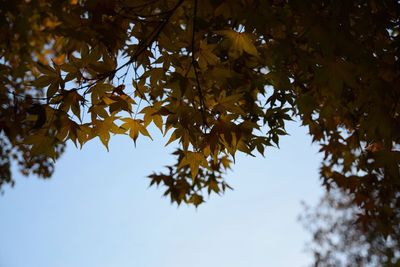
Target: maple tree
x: 338, y: 241
x: 218, y: 77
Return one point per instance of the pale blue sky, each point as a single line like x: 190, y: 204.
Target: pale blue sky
x: 97, y: 211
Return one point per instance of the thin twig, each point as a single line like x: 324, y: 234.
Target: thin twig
x: 142, y: 95
x: 202, y: 104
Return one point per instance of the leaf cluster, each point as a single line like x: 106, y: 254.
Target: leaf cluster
x: 216, y: 77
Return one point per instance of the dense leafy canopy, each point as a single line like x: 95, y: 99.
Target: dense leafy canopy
x: 216, y: 77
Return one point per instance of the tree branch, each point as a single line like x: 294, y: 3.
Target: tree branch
x: 194, y: 62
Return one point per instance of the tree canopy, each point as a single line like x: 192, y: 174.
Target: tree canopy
x: 216, y: 77
x: 337, y: 241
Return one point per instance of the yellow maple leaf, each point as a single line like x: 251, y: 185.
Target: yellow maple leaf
x: 135, y: 127
x: 206, y: 55
x: 240, y: 41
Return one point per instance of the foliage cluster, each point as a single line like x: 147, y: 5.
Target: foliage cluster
x: 218, y: 76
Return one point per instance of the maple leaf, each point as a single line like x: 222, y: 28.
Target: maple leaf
x: 103, y: 128
x: 206, y: 55
x: 135, y: 127
x: 240, y: 41
x: 194, y: 160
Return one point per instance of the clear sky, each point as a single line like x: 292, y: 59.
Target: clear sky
x: 97, y: 211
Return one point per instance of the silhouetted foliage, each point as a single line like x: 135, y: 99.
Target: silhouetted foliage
x: 339, y: 240
x: 218, y: 76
